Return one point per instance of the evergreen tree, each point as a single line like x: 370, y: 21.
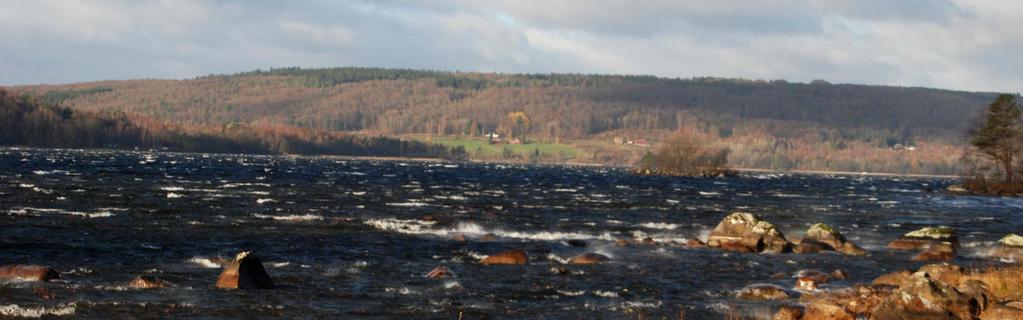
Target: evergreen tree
x: 999, y: 137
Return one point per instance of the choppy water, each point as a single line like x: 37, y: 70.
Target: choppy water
x: 346, y: 239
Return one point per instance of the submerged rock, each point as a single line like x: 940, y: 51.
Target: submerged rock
x: 746, y: 232
x: 937, y: 252
x: 589, y: 258
x: 695, y: 243
x: 762, y: 291
x: 245, y: 272
x: 440, y: 272
x: 488, y: 237
x: 147, y: 282
x: 28, y: 273
x: 926, y: 237
x: 517, y: 256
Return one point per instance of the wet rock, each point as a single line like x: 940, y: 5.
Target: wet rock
x: 762, y: 291
x: 695, y: 243
x: 844, y: 303
x: 649, y: 241
x: 517, y: 256
x: 560, y: 271
x: 955, y: 188
x: 924, y: 238
x: 245, y: 272
x: 589, y: 258
x: 937, y: 252
x: 440, y: 272
x: 807, y: 247
x: 488, y: 237
x: 1009, y: 247
x: 459, y: 237
x: 806, y: 284
x: 28, y: 273
x: 926, y: 298
x: 897, y: 278
x: 746, y: 232
x: 1002, y: 312
x: 624, y: 242
x: 788, y: 312
x: 944, y: 272
x: 815, y: 275
x: 1012, y: 240
x: 576, y: 243
x: 147, y: 282
x: 838, y: 274
x: 851, y: 249
x: 826, y: 236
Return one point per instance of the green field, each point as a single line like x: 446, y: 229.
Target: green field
x: 477, y: 148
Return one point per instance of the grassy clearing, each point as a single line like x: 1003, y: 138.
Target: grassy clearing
x: 494, y: 151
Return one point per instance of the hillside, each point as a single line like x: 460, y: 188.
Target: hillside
x: 767, y: 124
x: 27, y: 121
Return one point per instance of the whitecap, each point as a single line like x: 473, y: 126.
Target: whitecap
x: 293, y: 217
x: 13, y: 310
x: 171, y: 195
x: 605, y: 294
x: 658, y: 225
x: 205, y: 262
x: 265, y: 200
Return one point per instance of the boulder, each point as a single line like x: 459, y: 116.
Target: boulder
x: 589, y: 258
x: 788, y: 312
x: 814, y: 275
x: 826, y: 236
x: 844, y: 303
x: 1002, y: 312
x: 896, y: 279
x: 924, y: 238
x: 806, y: 284
x: 851, y: 249
x: 944, y: 272
x: 28, y: 273
x: 746, y: 232
x: 517, y: 256
x: 937, y: 252
x: 826, y: 311
x: 488, y: 237
x: 147, y: 282
x: 440, y: 272
x: 762, y: 291
x: 695, y: 243
x: 245, y: 272
x: 807, y: 247
x: 926, y: 298
x: 1005, y: 283
x: 838, y: 274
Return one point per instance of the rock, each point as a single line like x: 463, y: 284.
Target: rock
x: 589, y: 258
x: 851, y: 249
x: 788, y: 312
x: 844, y: 303
x: 624, y: 242
x: 806, y: 284
x: 937, y: 252
x: 955, y: 188
x: 649, y: 241
x: 838, y: 274
x: 1002, y: 312
x: 147, y: 282
x: 926, y: 237
x: 926, y: 298
x: 897, y: 278
x: 1005, y: 283
x: 807, y: 247
x: 576, y: 243
x: 814, y: 275
x: 245, y: 272
x: 695, y: 243
x: 762, y: 291
x: 826, y: 311
x: 459, y: 237
x: 1015, y: 304
x: 28, y: 273
x: 826, y: 236
x: 944, y: 272
x: 977, y: 291
x: 560, y: 271
x: 1012, y: 240
x: 746, y: 232
x: 517, y: 256
x: 440, y: 272
x: 488, y: 237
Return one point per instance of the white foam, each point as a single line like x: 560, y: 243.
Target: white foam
x: 265, y: 200
x: 709, y: 193
x: 605, y: 294
x: 553, y: 257
x: 658, y: 225
x: 293, y: 217
x: 426, y: 228
x: 205, y: 262
x: 171, y: 195
x: 571, y: 293
x: 172, y: 188
x: 13, y: 310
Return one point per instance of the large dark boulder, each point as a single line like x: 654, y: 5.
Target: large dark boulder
x: 245, y: 272
x: 746, y: 232
x: 28, y: 273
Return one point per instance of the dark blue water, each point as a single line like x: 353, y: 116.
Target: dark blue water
x: 354, y: 238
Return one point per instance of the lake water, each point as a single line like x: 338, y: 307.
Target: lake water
x: 354, y: 238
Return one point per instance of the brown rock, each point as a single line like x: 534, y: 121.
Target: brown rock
x: 695, y: 243
x: 838, y: 274
x: 440, y: 272
x: 897, y: 278
x: 1015, y: 304
x: 925, y: 237
x: 589, y: 258
x: 815, y: 275
x: 807, y: 247
x: 926, y: 298
x: 826, y: 311
x: 762, y: 291
x: 517, y: 256
x: 1005, y: 283
x: 944, y: 272
x: 844, y: 303
x: 649, y: 241
x: 1002, y: 312
x: 806, y: 283
x: 624, y: 242
x: 28, y: 273
x: 245, y: 272
x: 851, y: 249
x: 937, y: 252
x: 746, y: 232
x: 147, y: 282
x: 488, y: 237
x: 826, y: 236
x: 459, y: 237
x: 788, y: 312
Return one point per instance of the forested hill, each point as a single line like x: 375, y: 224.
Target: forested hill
x: 773, y: 124
x: 27, y: 121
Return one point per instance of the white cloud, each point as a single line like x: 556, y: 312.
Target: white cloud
x: 955, y: 44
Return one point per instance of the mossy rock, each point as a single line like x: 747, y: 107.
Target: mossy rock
x: 935, y: 233
x: 1012, y: 240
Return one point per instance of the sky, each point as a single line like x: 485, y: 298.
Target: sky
x: 973, y: 45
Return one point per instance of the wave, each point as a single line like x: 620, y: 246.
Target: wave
x: 205, y: 262
x: 420, y: 227
x: 13, y: 310
x: 293, y: 217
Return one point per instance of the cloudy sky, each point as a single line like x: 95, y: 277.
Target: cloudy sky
x: 955, y: 44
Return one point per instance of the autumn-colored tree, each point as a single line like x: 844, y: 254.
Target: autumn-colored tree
x: 685, y: 154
